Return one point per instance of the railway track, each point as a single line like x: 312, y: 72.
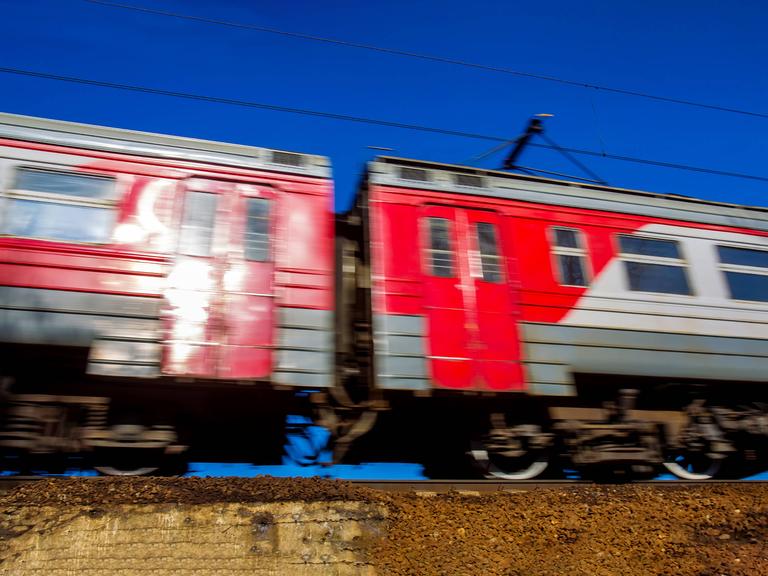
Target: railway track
x: 489, y: 486
x: 428, y: 487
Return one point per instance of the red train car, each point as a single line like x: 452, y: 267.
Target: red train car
x: 540, y: 319
x: 157, y: 292
x: 162, y: 297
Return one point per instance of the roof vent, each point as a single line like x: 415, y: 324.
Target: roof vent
x: 414, y: 174
x: 287, y: 158
x: 469, y: 180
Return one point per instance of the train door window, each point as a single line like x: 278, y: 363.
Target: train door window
x: 570, y: 256
x: 197, y: 222
x: 256, y: 240
x: 440, y: 251
x: 746, y: 272
x: 490, y: 261
x: 654, y: 265
x: 62, y: 206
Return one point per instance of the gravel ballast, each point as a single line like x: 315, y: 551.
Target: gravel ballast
x: 626, y: 530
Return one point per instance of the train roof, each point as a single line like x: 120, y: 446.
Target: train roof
x: 409, y: 173
x: 136, y: 143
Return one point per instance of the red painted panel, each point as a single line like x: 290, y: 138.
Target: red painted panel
x: 223, y: 299
x: 245, y: 362
x: 80, y: 280
x: 220, y: 311
x: 473, y: 340
x: 497, y: 353
x: 304, y: 249
x: 472, y: 324
x: 238, y: 293
x: 304, y: 297
x: 446, y: 306
x: 395, y: 238
x: 542, y: 297
x: 248, y: 291
x: 250, y: 320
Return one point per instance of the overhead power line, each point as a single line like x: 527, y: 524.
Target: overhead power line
x: 432, y: 58
x: 367, y: 120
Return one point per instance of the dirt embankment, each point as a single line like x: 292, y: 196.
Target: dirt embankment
x: 587, y: 530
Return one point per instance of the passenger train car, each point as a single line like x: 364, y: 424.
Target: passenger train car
x: 615, y: 327
x: 155, y: 292
x: 165, y: 298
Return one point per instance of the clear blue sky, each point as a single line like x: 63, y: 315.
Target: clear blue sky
x: 704, y: 50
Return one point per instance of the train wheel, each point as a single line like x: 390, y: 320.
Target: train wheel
x: 693, y: 466
x: 135, y: 450
x: 127, y: 461
x: 699, y: 451
x: 516, y: 452
x: 520, y: 468
x: 113, y: 471
x: 169, y: 467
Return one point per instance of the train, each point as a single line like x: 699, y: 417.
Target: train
x: 165, y: 299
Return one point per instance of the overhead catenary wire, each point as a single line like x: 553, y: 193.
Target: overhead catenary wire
x: 432, y: 58
x: 367, y: 120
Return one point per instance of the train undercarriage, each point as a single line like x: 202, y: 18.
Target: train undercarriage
x: 632, y: 433
x: 51, y: 420
x: 700, y: 443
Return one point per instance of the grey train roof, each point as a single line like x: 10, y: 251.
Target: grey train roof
x: 121, y: 141
x: 456, y: 179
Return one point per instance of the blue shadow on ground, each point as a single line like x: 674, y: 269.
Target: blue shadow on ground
x: 365, y: 471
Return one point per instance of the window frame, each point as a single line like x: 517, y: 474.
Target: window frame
x: 181, y: 227
x: 681, y: 262
x: 724, y: 267
x: 270, y: 233
x: 14, y: 192
x: 581, y: 251
x: 427, y: 249
x: 497, y: 257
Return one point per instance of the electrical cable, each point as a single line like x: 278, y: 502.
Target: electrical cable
x: 432, y: 58
x: 372, y: 121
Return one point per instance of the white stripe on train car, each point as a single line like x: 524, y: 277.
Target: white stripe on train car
x: 608, y: 303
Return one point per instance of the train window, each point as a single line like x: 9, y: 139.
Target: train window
x: 654, y: 265
x: 645, y: 277
x: 490, y: 261
x: 567, y: 238
x: 746, y: 272
x: 65, y: 184
x: 257, y: 230
x: 649, y: 247
x: 61, y: 206
x: 743, y: 256
x: 414, y: 174
x: 571, y: 257
x: 197, y: 222
x: 440, y: 250
x: 469, y: 180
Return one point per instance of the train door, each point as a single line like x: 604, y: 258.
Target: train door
x: 470, y: 310
x: 248, y: 307
x: 219, y: 295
